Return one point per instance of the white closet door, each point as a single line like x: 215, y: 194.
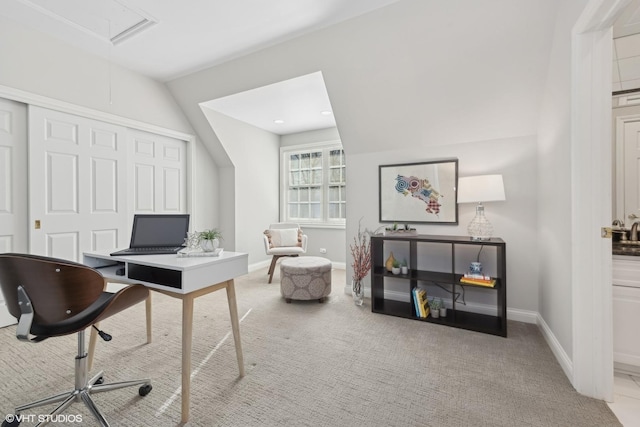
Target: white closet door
x: 77, y: 184
x: 158, y: 173
x: 13, y: 176
x: 13, y: 185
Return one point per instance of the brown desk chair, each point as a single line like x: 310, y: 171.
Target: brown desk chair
x: 283, y: 239
x: 52, y: 297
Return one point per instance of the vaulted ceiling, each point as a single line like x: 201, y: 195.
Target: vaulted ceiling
x: 165, y: 39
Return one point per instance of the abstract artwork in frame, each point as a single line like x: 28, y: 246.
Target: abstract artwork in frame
x: 419, y: 192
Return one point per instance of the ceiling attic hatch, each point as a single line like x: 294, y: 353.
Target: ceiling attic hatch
x: 296, y: 105
x: 132, y: 31
x: 107, y: 20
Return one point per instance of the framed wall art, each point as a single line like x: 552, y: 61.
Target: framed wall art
x: 419, y: 192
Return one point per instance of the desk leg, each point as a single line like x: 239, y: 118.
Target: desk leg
x: 235, y: 323
x: 187, y: 330
x: 148, y: 310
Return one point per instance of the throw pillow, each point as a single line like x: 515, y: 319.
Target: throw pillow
x: 284, y: 237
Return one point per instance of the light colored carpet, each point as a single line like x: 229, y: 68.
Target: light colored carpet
x: 307, y: 364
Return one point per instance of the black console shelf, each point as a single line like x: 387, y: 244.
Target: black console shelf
x: 495, y: 325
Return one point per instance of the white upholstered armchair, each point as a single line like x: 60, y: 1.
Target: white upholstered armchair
x: 283, y: 239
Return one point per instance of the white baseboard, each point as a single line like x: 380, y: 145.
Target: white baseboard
x: 258, y: 265
x: 561, y: 356
x: 525, y: 316
x: 624, y: 368
x: 264, y: 264
x: 626, y: 358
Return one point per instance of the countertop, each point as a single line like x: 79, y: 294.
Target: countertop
x: 625, y: 249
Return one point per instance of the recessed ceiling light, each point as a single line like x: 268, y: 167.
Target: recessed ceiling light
x: 278, y: 121
x: 325, y: 113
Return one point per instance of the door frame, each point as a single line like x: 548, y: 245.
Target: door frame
x: 591, y: 173
x: 66, y: 107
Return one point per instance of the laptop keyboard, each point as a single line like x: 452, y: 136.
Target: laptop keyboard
x: 154, y: 249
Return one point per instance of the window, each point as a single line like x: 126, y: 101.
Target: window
x: 314, y: 184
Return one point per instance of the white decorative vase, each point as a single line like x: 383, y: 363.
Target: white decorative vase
x: 209, y: 245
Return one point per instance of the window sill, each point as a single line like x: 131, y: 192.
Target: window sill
x: 321, y: 225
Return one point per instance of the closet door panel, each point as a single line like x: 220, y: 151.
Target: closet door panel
x: 144, y: 195
x: 77, y: 184
x: 159, y: 172
x: 87, y: 178
x: 13, y: 185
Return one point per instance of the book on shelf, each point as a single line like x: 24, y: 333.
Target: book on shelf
x: 478, y: 279
x: 420, y: 303
x: 416, y: 306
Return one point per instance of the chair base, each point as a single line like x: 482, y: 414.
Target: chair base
x: 83, y: 395
x: 272, y: 267
x: 82, y: 391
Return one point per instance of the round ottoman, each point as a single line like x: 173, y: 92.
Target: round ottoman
x: 305, y: 278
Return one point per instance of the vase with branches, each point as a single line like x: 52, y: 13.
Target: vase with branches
x: 361, y: 253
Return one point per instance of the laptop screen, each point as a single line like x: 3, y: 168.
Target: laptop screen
x: 159, y: 230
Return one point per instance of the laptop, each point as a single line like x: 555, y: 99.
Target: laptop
x: 154, y: 234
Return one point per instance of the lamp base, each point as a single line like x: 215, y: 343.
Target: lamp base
x: 480, y: 228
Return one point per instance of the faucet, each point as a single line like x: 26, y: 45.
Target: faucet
x: 633, y: 234
x: 618, y: 227
x: 617, y: 223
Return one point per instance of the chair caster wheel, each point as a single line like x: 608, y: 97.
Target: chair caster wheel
x: 13, y: 423
x: 99, y: 380
x: 145, y: 389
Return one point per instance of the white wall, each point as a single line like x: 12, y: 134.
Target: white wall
x: 554, y: 183
x: 41, y: 65
x: 254, y: 153
x: 409, y: 77
x: 514, y: 220
x: 310, y: 137
x: 45, y: 66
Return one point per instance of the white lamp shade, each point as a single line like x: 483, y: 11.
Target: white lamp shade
x: 481, y: 188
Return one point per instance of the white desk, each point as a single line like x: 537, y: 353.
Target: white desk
x: 184, y: 278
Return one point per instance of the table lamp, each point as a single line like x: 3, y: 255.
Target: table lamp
x: 480, y: 189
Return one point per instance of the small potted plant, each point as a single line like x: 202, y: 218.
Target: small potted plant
x: 396, y: 267
x: 404, y: 269
x: 434, y: 305
x: 210, y: 239
x: 443, y: 309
